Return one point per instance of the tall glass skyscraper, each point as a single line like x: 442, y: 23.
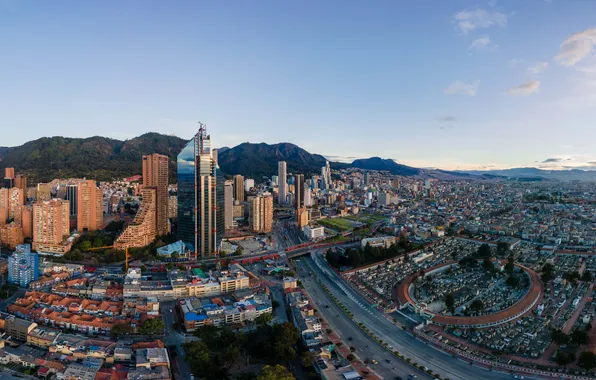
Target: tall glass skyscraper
x: 201, y: 214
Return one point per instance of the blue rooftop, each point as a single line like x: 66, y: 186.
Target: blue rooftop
x: 192, y: 316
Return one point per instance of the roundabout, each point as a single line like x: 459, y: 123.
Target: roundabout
x: 451, y: 294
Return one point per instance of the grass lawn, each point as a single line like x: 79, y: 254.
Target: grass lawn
x: 338, y: 224
x: 367, y: 218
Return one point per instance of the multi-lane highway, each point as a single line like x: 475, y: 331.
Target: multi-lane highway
x: 435, y: 360
x: 389, y: 366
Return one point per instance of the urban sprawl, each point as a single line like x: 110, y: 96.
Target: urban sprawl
x: 340, y: 274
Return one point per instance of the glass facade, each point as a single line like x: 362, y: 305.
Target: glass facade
x: 186, y: 195
x: 201, y: 203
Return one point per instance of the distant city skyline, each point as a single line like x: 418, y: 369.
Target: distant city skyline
x: 470, y: 85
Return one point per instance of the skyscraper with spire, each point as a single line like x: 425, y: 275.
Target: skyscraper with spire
x: 201, y: 215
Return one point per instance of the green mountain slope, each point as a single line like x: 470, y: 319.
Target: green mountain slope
x: 98, y: 158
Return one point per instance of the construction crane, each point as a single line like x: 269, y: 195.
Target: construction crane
x: 111, y: 246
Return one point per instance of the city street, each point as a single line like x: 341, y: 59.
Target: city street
x: 439, y: 362
x: 365, y: 346
x: 174, y: 338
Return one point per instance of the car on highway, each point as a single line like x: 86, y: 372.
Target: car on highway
x: 375, y: 362
x: 412, y: 376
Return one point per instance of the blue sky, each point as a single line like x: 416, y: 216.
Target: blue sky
x: 450, y: 84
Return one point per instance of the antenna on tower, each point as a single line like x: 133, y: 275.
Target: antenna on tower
x: 202, y: 135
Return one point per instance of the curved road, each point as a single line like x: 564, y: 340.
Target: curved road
x: 389, y: 366
x: 438, y: 361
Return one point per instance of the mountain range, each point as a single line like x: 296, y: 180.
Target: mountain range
x: 103, y: 158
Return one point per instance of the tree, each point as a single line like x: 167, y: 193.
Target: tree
x: 562, y: 358
x: 85, y: 246
x: 487, y: 264
x: 285, y: 337
x: 571, y: 276
x: 559, y: 337
x: 246, y: 376
x: 587, y: 360
x: 121, y: 329
x: 263, y: 320
x: 510, y: 264
x: 450, y: 302
x: 198, y: 356
x: 152, y: 326
x: 477, y: 305
x: 277, y: 372
x: 502, y: 247
x: 546, y: 277
x: 548, y: 268
x: 307, y: 359
x: 513, y: 281
x: 209, y: 334
x: 484, y: 250
x: 580, y: 336
x: 587, y: 276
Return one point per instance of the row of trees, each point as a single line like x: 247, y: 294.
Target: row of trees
x: 153, y: 326
x: 355, y: 257
x: 220, y: 347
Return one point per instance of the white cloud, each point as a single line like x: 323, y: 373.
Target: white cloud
x: 463, y: 88
x: 525, y: 88
x: 587, y: 69
x: 482, y: 44
x: 576, y: 47
x: 537, y: 68
x: 468, y: 20
x: 512, y: 63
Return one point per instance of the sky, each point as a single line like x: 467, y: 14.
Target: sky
x: 450, y: 84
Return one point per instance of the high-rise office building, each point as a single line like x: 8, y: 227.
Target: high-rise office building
x: 201, y: 203
x: 9, y: 173
x: 261, y: 213
x: 11, y: 235
x: 23, y: 266
x: 282, y: 191
x: 155, y: 174
x: 307, y: 197
x: 89, y: 206
x: 15, y: 202
x: 9, y: 177
x: 20, y: 181
x: 302, y: 217
x: 239, y: 188
x: 27, y: 222
x: 4, y: 206
x: 43, y: 192
x: 142, y: 231
x: 298, y: 191
x: 249, y: 183
x: 71, y: 196
x: 51, y: 221
x: 384, y: 198
x: 366, y: 179
x: 229, y: 205
x: 173, y: 207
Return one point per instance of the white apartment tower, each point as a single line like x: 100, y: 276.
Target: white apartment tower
x: 283, y: 182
